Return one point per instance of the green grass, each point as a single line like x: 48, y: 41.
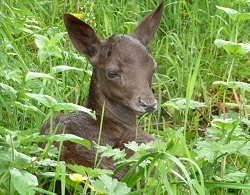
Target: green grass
x: 202, y: 85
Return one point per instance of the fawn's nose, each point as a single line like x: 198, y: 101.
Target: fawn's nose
x: 148, y: 106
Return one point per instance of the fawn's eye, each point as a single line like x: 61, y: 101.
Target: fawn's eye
x: 111, y: 74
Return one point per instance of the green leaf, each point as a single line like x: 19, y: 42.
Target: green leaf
x: 43, y: 54
x: 35, y: 75
x: 109, y: 186
x: 180, y: 104
x: 245, y: 120
x: 26, y: 107
x: 233, y: 84
x: 233, y: 48
x: 224, y: 123
x: 73, y: 107
x: 242, y: 16
x: 7, y: 88
x: 57, y: 38
x: 245, y: 48
x: 20, y: 158
x: 35, y: 138
x: 221, y: 43
x: 231, y: 147
x: 72, y: 138
x: 4, y: 130
x: 56, y: 51
x: 23, y: 181
x: 232, y: 174
x: 231, y: 12
x: 196, y: 104
x: 44, y: 99
x: 207, y: 150
x: 108, y: 151
x: 245, y: 150
x: 228, y: 185
x: 85, y: 171
x: 229, y: 46
x: 48, y: 162
x: 140, y: 148
x: 51, y: 102
x: 62, y: 68
x: 41, y: 41
x: 42, y: 191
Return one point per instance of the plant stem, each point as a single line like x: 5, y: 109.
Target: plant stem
x: 223, y: 166
x: 46, y: 150
x: 100, y: 132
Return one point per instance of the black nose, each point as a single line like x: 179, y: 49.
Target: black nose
x: 148, y: 107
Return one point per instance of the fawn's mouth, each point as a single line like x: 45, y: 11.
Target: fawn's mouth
x: 142, y: 110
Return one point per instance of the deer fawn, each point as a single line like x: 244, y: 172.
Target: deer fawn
x: 121, y: 79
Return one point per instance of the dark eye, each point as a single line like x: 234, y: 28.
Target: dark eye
x: 112, y: 74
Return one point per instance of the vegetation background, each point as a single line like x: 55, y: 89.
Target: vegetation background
x: 202, y: 85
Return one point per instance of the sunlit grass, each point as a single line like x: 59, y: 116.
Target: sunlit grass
x: 198, y: 86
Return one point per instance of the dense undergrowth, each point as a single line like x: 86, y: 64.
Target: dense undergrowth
x: 202, y: 85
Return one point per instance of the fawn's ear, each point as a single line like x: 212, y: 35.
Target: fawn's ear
x: 82, y: 35
x: 146, y: 29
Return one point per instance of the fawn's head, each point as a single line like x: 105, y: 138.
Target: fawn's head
x: 122, y: 63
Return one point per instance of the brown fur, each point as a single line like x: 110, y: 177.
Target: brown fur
x: 122, y: 74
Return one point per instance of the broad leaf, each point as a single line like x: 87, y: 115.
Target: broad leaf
x: 26, y: 107
x: 56, y: 51
x: 20, y: 158
x: 233, y: 84
x: 107, y: 185
x: 57, y: 38
x: 43, y: 54
x: 233, y: 48
x: 42, y: 191
x: 231, y: 12
x: 227, y: 123
x: 41, y: 41
x: 7, y: 88
x: 35, y: 75
x: 72, y: 138
x: 61, y: 68
x: 51, y: 102
x: 142, y: 147
x: 235, y: 176
x: 242, y: 16
x: 23, y: 181
x: 44, y: 99
x: 180, y: 104
x: 88, y: 171
x: 73, y: 107
x: 207, y: 150
x: 108, y: 151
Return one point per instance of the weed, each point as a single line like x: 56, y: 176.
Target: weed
x: 202, y: 85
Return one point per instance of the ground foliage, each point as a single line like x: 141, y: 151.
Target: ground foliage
x: 202, y: 85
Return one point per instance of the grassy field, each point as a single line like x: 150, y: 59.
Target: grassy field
x: 202, y: 85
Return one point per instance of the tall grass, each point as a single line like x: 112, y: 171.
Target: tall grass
x: 202, y: 86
